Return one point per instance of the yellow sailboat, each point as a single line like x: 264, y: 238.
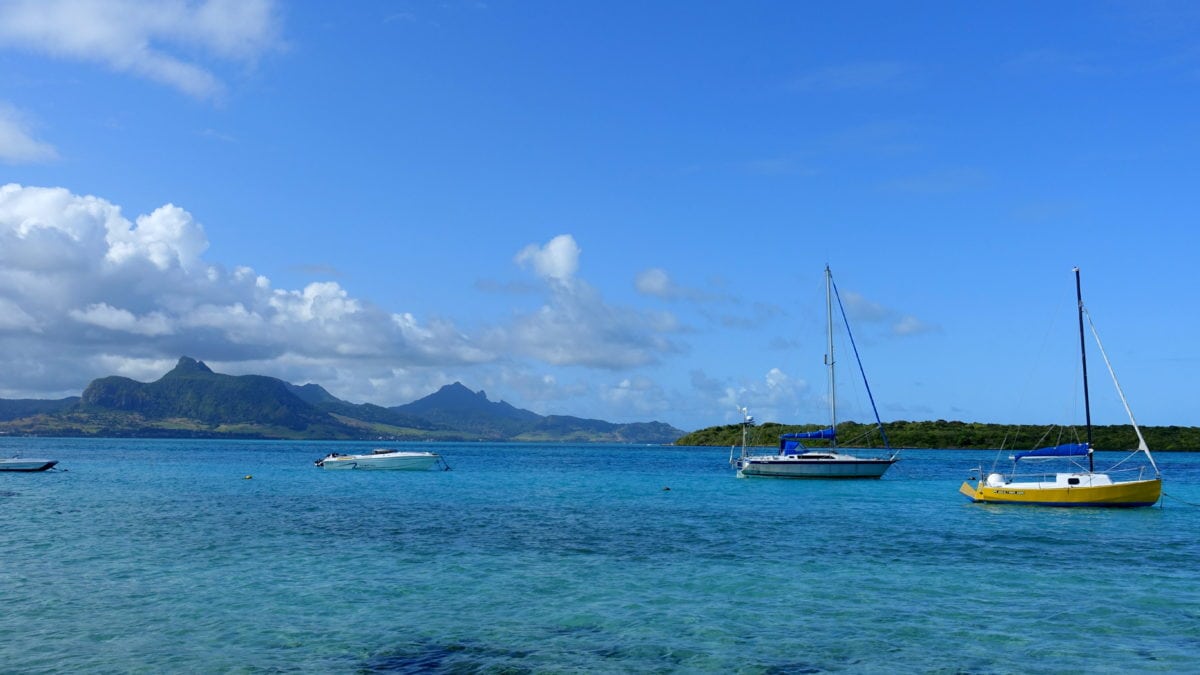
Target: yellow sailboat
x: 1078, y: 486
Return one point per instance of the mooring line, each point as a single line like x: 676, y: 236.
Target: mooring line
x: 1180, y: 500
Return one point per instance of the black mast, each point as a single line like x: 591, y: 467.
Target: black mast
x: 1087, y: 406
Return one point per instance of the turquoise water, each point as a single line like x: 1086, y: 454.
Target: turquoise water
x: 161, y: 556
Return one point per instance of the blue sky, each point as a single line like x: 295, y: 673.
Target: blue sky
x: 610, y: 210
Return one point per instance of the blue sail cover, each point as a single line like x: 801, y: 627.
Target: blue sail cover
x: 1067, y: 450
x: 792, y: 441
x: 819, y: 433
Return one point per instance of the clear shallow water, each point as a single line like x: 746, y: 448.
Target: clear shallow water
x: 160, y: 556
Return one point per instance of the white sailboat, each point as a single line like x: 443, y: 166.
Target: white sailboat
x: 1079, y: 486
x: 793, y: 459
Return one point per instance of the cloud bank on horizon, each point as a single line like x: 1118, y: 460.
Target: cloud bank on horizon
x: 85, y: 290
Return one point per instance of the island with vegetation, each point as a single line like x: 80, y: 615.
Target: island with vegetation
x: 942, y: 434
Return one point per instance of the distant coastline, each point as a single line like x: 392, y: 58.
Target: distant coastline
x: 954, y: 435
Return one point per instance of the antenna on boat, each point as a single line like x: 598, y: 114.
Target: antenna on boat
x: 1087, y: 406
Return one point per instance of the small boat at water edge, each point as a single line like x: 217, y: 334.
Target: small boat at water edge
x: 26, y: 464
x: 383, y: 458
x: 1082, y: 485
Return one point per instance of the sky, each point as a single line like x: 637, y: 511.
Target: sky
x: 612, y: 210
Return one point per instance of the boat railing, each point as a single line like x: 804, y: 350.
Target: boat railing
x: 1132, y: 473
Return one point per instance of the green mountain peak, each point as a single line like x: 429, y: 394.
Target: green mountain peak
x: 189, y: 366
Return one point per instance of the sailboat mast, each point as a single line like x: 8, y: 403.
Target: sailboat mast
x: 829, y: 356
x: 1087, y: 405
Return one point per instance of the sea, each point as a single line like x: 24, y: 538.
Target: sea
x: 206, y: 556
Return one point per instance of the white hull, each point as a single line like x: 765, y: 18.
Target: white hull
x: 822, y: 466
x: 26, y: 464
x: 396, y: 461
x: 794, y: 459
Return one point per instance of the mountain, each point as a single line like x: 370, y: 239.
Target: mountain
x: 558, y: 427
x: 192, y: 391
x: 316, y: 395
x: 472, y: 412
x: 192, y: 401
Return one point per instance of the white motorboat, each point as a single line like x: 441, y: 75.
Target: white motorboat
x: 382, y: 458
x: 26, y: 464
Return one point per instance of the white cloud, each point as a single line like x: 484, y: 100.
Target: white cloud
x: 777, y: 380
x: 167, y: 237
x: 105, y: 316
x: 17, y: 144
x: 317, y: 302
x: 154, y: 40
x: 911, y: 325
x: 50, y: 228
x: 776, y: 397
x: 576, y: 326
x: 86, y: 291
x: 862, y: 309
x: 557, y: 260
x: 635, y: 394
x: 13, y: 318
x: 79, y: 280
x: 655, y: 282
x: 866, y: 311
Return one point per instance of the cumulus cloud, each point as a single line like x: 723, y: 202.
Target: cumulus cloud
x: 13, y: 318
x: 17, y: 144
x: 155, y: 40
x: 911, y: 325
x: 88, y: 291
x: 576, y: 326
x: 776, y: 397
x: 557, y: 260
x: 166, y: 238
x: 867, y: 311
x: 655, y: 282
x: 105, y: 316
x: 319, y: 302
x: 639, y: 394
x: 82, y: 286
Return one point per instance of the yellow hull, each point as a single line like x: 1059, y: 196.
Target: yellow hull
x: 1132, y: 493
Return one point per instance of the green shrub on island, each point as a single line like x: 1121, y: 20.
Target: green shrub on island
x: 943, y: 434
